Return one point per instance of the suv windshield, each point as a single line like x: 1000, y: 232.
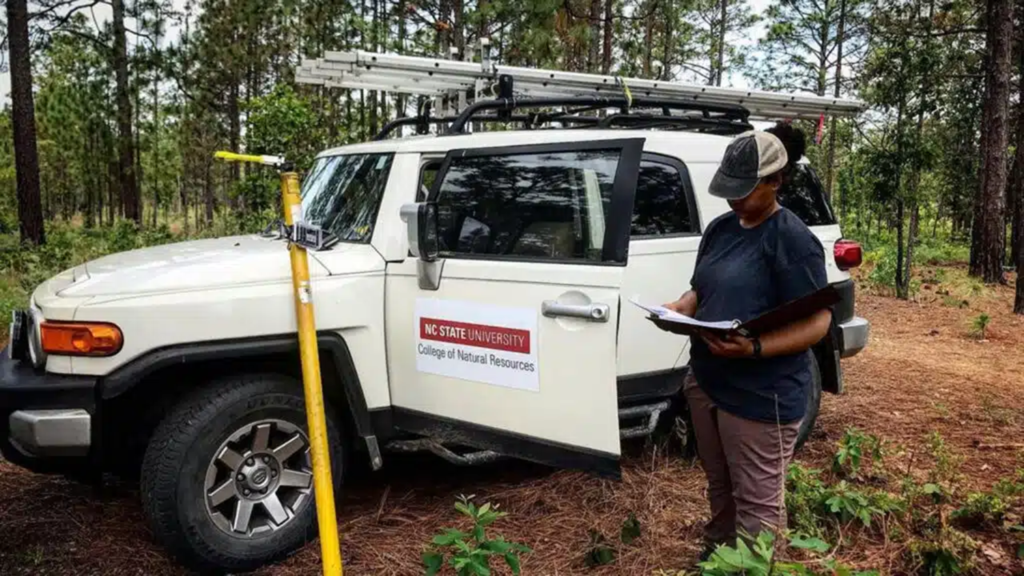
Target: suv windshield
x: 341, y: 194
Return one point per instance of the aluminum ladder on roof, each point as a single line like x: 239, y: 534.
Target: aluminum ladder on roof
x: 452, y: 81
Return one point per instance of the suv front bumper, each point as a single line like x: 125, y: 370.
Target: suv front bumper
x: 853, y: 336
x: 46, y: 420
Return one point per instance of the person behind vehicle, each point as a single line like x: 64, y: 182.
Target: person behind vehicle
x: 747, y: 397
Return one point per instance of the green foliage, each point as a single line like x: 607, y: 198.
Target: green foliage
x: 981, y: 508
x: 946, y: 469
x: 854, y: 449
x: 471, y: 552
x: 759, y: 558
x: 630, y: 529
x: 979, y: 324
x: 947, y: 553
x: 884, y: 271
x: 601, y: 552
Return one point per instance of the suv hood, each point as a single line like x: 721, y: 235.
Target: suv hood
x: 198, y: 264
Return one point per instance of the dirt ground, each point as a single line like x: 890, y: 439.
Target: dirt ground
x: 924, y: 371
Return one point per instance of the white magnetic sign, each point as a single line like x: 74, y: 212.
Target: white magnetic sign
x: 477, y: 342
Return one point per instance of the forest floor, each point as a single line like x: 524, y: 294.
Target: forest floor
x: 923, y: 371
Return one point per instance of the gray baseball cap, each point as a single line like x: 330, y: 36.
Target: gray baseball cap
x: 750, y: 156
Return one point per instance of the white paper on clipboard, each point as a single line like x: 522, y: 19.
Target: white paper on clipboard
x: 671, y: 316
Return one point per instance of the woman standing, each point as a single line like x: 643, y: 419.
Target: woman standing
x: 748, y: 396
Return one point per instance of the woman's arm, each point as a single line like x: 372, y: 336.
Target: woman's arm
x: 687, y: 304
x: 790, y: 339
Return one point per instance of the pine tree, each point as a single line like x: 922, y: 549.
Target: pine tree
x: 989, y: 228
x: 30, y: 211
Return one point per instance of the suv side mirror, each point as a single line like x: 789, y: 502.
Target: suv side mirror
x: 421, y: 226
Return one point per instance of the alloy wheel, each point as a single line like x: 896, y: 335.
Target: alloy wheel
x: 259, y: 479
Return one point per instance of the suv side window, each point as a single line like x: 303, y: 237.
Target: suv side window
x: 664, y: 199
x: 536, y: 206
x: 803, y: 195
x: 428, y: 172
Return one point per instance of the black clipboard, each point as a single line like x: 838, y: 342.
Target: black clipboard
x: 771, y: 320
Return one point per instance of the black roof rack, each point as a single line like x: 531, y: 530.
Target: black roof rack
x: 721, y: 117
x: 423, y: 122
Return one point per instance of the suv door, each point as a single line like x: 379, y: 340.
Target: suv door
x: 511, y: 346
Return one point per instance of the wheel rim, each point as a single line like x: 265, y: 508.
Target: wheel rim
x: 259, y: 479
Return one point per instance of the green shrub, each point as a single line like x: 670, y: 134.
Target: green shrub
x: 855, y: 449
x: 759, y: 559
x: 471, y: 552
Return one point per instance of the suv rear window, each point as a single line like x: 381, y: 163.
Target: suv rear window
x: 662, y: 206
x: 543, y: 206
x: 803, y: 194
x: 342, y: 194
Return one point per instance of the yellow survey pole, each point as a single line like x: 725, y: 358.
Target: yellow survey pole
x: 323, y: 487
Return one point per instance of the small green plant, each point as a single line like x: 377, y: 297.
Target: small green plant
x: 759, y: 559
x: 599, y: 553
x: 471, y: 552
x: 946, y: 471
x: 948, y: 553
x: 630, y: 529
x: 855, y: 448
x: 981, y: 508
x: 979, y: 325
x: 849, y: 504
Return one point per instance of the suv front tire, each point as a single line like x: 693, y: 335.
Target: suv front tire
x: 227, y: 479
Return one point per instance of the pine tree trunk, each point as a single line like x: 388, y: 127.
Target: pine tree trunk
x: 156, y: 145
x: 606, y: 49
x: 26, y: 159
x: 722, y: 25
x: 595, y: 35
x: 989, y: 226
x: 208, y: 192
x: 901, y: 279
x: 1016, y: 188
x: 648, y: 51
x: 669, y: 32
x: 830, y: 164
x: 125, y: 141
x: 234, y: 129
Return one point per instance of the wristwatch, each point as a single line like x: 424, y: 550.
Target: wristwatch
x: 757, y: 347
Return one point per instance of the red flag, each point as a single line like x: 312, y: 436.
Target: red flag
x: 821, y: 128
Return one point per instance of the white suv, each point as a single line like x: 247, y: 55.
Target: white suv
x: 472, y: 307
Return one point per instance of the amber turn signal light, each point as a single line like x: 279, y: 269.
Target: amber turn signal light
x: 81, y: 338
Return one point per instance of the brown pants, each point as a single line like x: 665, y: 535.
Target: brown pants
x: 745, y: 462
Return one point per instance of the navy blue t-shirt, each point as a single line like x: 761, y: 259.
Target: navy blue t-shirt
x: 740, y: 274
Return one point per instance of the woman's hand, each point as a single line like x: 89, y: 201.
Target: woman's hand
x: 729, y: 346
x: 686, y: 305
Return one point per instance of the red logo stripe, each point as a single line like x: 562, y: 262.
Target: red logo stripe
x: 479, y: 335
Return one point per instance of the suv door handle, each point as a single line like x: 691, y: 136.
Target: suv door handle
x: 592, y: 312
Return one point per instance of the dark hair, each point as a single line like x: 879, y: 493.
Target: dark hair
x: 792, y: 139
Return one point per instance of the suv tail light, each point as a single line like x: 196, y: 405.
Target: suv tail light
x: 848, y: 254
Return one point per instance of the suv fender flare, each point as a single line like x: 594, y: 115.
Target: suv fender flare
x: 330, y: 344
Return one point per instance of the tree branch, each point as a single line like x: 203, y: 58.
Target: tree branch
x: 567, y: 4
x: 62, y: 20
